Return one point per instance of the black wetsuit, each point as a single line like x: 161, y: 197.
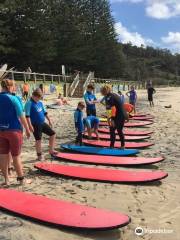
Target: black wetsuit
x: 150, y: 91
x: 114, y: 100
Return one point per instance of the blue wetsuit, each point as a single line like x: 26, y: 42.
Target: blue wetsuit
x: 91, y: 122
x: 132, y: 97
x: 90, y: 108
x: 79, y: 125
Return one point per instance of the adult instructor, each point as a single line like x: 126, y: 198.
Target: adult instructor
x: 116, y: 115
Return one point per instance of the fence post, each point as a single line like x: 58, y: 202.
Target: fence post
x: 44, y: 78
x: 24, y: 77
x: 35, y: 79
x: 12, y: 75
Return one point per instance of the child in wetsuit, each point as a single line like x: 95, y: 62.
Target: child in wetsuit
x: 90, y: 100
x: 36, y: 115
x: 151, y: 91
x: 132, y: 97
x: 92, y: 124
x: 78, y: 120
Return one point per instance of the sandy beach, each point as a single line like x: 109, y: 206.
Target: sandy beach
x: 151, y: 206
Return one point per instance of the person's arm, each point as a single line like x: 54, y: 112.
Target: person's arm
x: 48, y: 118
x: 127, y: 94
x: 136, y: 96
x: 46, y: 115
x: 25, y: 125
x: 20, y: 115
x: 27, y: 109
x: 154, y: 90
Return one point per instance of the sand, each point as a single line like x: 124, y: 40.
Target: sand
x: 151, y: 206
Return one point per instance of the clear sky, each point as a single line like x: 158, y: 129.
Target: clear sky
x: 148, y: 22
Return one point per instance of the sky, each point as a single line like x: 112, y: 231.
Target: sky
x: 149, y: 22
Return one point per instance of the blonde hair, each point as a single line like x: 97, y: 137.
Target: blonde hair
x: 106, y: 88
x: 7, y: 83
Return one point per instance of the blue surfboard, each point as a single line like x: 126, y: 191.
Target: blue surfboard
x: 99, y: 150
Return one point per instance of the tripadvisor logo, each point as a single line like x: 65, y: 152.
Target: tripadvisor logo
x: 139, y: 231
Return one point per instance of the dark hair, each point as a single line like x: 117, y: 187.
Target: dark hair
x: 91, y: 86
x: 37, y: 93
x: 81, y: 104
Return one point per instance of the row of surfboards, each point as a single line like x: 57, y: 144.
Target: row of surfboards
x: 66, y: 214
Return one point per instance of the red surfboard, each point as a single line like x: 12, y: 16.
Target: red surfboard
x: 101, y: 175
x: 127, y: 132
x: 145, y: 118
x: 130, y: 145
x: 127, y: 138
x: 131, y: 124
x: 106, y: 160
x: 60, y: 213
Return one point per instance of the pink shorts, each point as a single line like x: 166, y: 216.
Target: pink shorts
x: 11, y: 142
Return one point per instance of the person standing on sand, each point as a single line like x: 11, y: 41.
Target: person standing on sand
x: 151, y: 91
x: 116, y: 115
x: 36, y: 115
x: 132, y: 97
x: 25, y: 89
x: 90, y: 100
x: 121, y: 96
x: 78, y: 120
x: 11, y: 137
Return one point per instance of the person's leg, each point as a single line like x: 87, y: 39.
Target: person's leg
x: 52, y: 142
x: 94, y: 112
x: 38, y: 135
x: 88, y: 113
x: 52, y: 137
x: 15, y: 149
x: 134, y: 107
x: 4, y: 167
x: 112, y: 136
x: 119, y: 126
x: 18, y: 167
x: 80, y: 138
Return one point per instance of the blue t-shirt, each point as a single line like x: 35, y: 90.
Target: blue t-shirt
x: 36, y: 111
x: 91, y: 122
x: 88, y: 96
x: 10, y: 111
x: 132, y: 97
x: 78, y: 120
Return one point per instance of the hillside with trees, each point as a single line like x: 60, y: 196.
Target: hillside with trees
x: 46, y: 34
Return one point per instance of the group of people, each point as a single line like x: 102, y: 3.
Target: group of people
x: 32, y: 117
x: 117, y: 113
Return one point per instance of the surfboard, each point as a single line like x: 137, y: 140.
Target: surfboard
x: 106, y: 160
x: 54, y: 106
x: 101, y: 175
x: 127, y: 138
x: 130, y: 145
x: 145, y: 118
x: 59, y: 213
x: 99, y: 150
x: 127, y: 132
x: 131, y: 124
x: 3, y: 70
